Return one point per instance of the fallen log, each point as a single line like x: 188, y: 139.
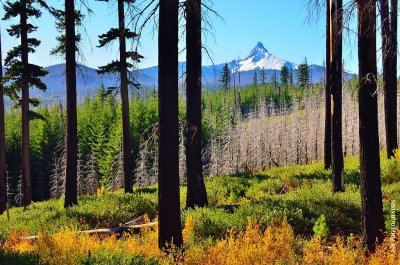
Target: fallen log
x: 119, y: 230
x: 131, y: 227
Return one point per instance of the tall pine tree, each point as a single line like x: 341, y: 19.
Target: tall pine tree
x: 21, y: 75
x: 121, y: 67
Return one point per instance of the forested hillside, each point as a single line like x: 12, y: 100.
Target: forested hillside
x: 239, y: 127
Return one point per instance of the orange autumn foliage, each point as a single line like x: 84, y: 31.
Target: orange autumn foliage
x: 276, y: 245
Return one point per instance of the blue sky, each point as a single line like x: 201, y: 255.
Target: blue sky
x: 281, y: 25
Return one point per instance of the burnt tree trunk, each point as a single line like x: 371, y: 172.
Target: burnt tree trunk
x: 71, y: 185
x: 3, y: 165
x: 196, y: 189
x: 126, y: 128
x: 389, y: 61
x: 371, y: 193
x: 328, y: 120
x: 26, y: 172
x: 336, y: 93
x: 169, y: 217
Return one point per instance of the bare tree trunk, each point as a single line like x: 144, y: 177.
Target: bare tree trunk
x: 71, y: 183
x: 196, y: 192
x: 3, y: 164
x: 328, y: 123
x: 371, y: 193
x: 126, y: 128
x: 169, y: 218
x: 389, y: 60
x: 26, y: 173
x: 336, y: 73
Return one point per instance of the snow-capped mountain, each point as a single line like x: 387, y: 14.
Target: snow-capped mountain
x: 259, y: 58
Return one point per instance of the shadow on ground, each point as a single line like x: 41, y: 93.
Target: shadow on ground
x: 18, y: 258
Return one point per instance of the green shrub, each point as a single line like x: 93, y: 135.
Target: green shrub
x: 120, y: 208
x: 18, y: 258
x: 264, y: 188
x: 213, y: 222
x: 393, y: 171
x: 227, y: 189
x: 110, y: 209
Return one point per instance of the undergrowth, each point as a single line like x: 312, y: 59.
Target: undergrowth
x: 288, y: 215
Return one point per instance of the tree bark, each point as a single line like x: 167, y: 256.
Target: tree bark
x: 328, y: 119
x: 389, y: 61
x: 170, y: 230
x: 26, y: 172
x: 71, y: 195
x: 126, y: 128
x: 3, y: 164
x: 371, y: 193
x: 196, y: 192
x: 336, y: 93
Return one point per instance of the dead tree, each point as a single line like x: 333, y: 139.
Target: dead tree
x: 196, y: 193
x: 169, y: 215
x: 336, y: 31
x: 3, y: 166
x: 328, y: 120
x: 371, y: 193
x: 389, y: 61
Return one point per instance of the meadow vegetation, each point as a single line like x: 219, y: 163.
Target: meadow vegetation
x: 285, y: 215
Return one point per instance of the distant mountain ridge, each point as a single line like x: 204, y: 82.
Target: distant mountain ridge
x: 88, y: 81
